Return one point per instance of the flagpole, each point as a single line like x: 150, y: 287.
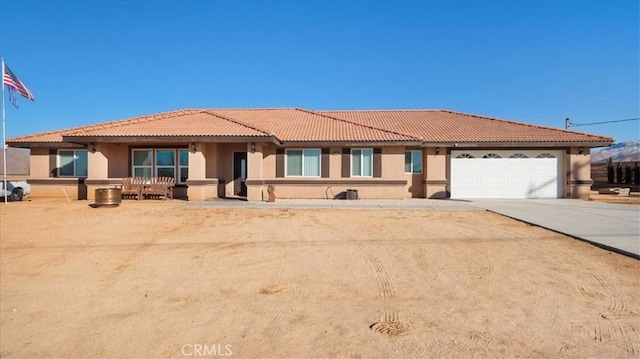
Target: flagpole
x: 4, y: 140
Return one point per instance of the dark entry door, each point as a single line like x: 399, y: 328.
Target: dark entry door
x: 240, y: 173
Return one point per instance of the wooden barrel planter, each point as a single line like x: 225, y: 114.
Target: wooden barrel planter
x: 108, y: 196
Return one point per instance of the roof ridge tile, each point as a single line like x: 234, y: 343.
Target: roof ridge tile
x: 138, y: 119
x: 211, y: 112
x: 361, y: 125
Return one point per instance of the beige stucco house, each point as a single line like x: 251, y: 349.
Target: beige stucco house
x: 383, y: 154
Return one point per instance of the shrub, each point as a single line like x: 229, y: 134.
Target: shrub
x: 619, y: 173
x: 610, y: 171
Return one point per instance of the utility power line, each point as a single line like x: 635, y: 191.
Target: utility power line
x: 571, y: 124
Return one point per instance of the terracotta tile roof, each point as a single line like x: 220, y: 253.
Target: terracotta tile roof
x: 299, y: 125
x: 449, y: 126
x: 42, y: 137
x: 191, y: 123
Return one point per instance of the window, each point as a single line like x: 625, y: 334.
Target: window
x: 305, y: 163
x: 142, y: 163
x: 184, y: 166
x: 465, y: 155
x: 161, y: 162
x: 545, y: 155
x: 362, y: 162
x: 492, y: 155
x: 413, y: 161
x: 166, y: 163
x: 72, y: 163
x: 518, y: 155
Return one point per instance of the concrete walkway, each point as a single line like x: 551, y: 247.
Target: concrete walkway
x: 612, y: 226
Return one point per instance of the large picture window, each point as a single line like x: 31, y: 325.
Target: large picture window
x: 413, y: 161
x: 362, y: 162
x: 161, y: 162
x: 305, y: 163
x: 72, y: 163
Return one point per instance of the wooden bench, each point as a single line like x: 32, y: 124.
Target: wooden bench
x: 132, y: 187
x: 158, y: 187
x: 140, y: 187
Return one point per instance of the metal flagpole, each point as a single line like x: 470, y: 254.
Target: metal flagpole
x: 4, y: 140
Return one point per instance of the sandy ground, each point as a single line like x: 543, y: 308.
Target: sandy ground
x: 159, y: 279
x: 632, y: 199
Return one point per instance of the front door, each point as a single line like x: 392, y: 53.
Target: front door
x: 240, y: 174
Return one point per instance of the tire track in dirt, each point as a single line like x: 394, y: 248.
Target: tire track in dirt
x: 617, y: 334
x: 386, y: 290
x: 477, y: 269
x: 268, y: 334
x: 385, y: 286
x: 533, y: 349
x: 388, y: 323
x: 554, y: 327
x: 275, y: 285
x: 616, y: 307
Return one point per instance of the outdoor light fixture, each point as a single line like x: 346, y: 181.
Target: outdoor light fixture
x: 581, y: 150
x: 437, y: 150
x: 92, y: 147
x: 253, y: 147
x: 193, y: 147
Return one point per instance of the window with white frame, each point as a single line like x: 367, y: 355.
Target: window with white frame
x: 183, y: 165
x: 166, y: 163
x: 304, y: 163
x: 142, y: 163
x: 413, y: 161
x: 72, y: 163
x: 160, y: 162
x: 361, y: 162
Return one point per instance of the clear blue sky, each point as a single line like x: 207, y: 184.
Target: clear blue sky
x: 529, y: 61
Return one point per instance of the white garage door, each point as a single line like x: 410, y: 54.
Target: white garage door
x: 506, y: 174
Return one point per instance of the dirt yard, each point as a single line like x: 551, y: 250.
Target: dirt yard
x: 162, y: 279
x: 632, y: 199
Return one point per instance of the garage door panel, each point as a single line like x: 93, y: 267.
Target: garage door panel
x: 525, y: 168
x: 492, y: 167
x: 522, y: 192
x: 491, y: 193
x: 517, y: 180
x: 505, y: 177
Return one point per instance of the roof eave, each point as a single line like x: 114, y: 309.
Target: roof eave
x: 349, y: 143
x: 45, y: 145
x: 519, y: 144
x: 165, y: 139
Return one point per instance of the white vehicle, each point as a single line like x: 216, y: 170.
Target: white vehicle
x: 16, y: 190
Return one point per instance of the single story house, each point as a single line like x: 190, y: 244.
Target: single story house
x: 383, y: 154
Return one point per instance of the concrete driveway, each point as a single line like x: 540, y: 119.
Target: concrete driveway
x: 612, y: 226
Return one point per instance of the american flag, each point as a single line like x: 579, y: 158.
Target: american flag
x: 13, y: 83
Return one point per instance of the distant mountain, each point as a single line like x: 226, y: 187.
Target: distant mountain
x: 620, y: 152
